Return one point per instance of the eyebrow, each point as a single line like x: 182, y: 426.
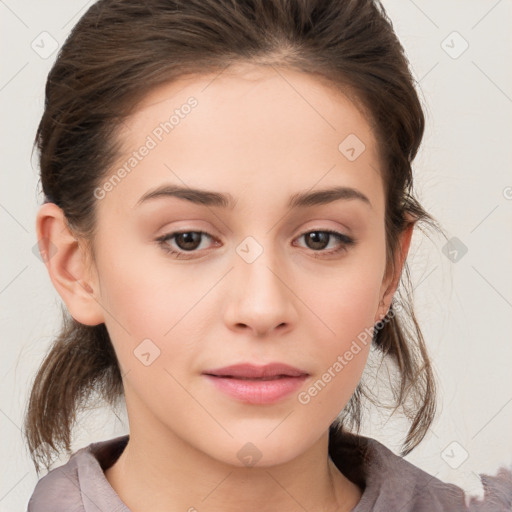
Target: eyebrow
x: 226, y: 200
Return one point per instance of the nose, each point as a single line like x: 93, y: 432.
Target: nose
x: 262, y: 297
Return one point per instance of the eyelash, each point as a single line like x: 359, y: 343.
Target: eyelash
x: 345, y: 240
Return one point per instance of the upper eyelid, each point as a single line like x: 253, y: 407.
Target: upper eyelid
x: 309, y: 230
x: 335, y: 233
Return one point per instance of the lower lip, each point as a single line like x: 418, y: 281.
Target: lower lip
x: 257, y: 391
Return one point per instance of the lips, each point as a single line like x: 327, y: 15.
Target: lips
x: 247, y: 371
x: 257, y: 385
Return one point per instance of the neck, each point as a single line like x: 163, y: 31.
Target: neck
x: 160, y: 473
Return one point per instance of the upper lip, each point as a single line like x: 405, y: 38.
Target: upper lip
x: 249, y: 370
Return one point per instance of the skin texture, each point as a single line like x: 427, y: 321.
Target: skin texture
x: 260, y: 134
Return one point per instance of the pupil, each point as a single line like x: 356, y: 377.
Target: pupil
x: 188, y: 239
x: 317, y: 238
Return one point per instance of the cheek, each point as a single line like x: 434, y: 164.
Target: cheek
x: 346, y: 296
x: 149, y: 308
x: 145, y: 293
x: 348, y: 312
x: 340, y: 357
x: 346, y: 308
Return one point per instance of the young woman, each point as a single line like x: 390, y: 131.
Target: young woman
x: 228, y: 211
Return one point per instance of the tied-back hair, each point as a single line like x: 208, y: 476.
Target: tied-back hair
x: 115, y: 55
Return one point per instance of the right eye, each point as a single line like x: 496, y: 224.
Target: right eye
x: 187, y: 242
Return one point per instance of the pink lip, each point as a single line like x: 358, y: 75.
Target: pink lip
x: 257, y: 391
x: 251, y: 371
x: 257, y: 384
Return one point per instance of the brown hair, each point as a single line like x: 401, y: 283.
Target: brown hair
x: 121, y: 49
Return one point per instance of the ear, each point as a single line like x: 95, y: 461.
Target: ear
x: 65, y: 259
x: 392, y: 278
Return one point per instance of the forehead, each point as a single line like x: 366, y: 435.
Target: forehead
x: 250, y: 131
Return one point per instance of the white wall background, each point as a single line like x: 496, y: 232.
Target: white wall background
x: 463, y: 176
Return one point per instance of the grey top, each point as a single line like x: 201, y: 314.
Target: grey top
x: 389, y: 482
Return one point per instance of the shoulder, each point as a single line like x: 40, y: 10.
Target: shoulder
x: 389, y: 482
x: 498, y: 492
x: 80, y: 485
x: 59, y: 489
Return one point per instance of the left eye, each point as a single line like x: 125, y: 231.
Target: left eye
x: 189, y: 241
x: 319, y: 237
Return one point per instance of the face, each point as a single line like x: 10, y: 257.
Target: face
x: 261, y: 279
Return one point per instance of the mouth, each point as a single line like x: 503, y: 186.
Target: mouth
x: 257, y: 385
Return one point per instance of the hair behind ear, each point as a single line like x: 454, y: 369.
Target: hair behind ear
x: 80, y: 361
x: 413, y: 382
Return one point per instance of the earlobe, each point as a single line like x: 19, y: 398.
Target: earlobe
x: 65, y: 261
x: 390, y: 284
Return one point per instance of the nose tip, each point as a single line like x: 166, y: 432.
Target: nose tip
x: 262, y: 300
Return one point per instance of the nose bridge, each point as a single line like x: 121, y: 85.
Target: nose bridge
x: 263, y: 300
x: 260, y: 264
